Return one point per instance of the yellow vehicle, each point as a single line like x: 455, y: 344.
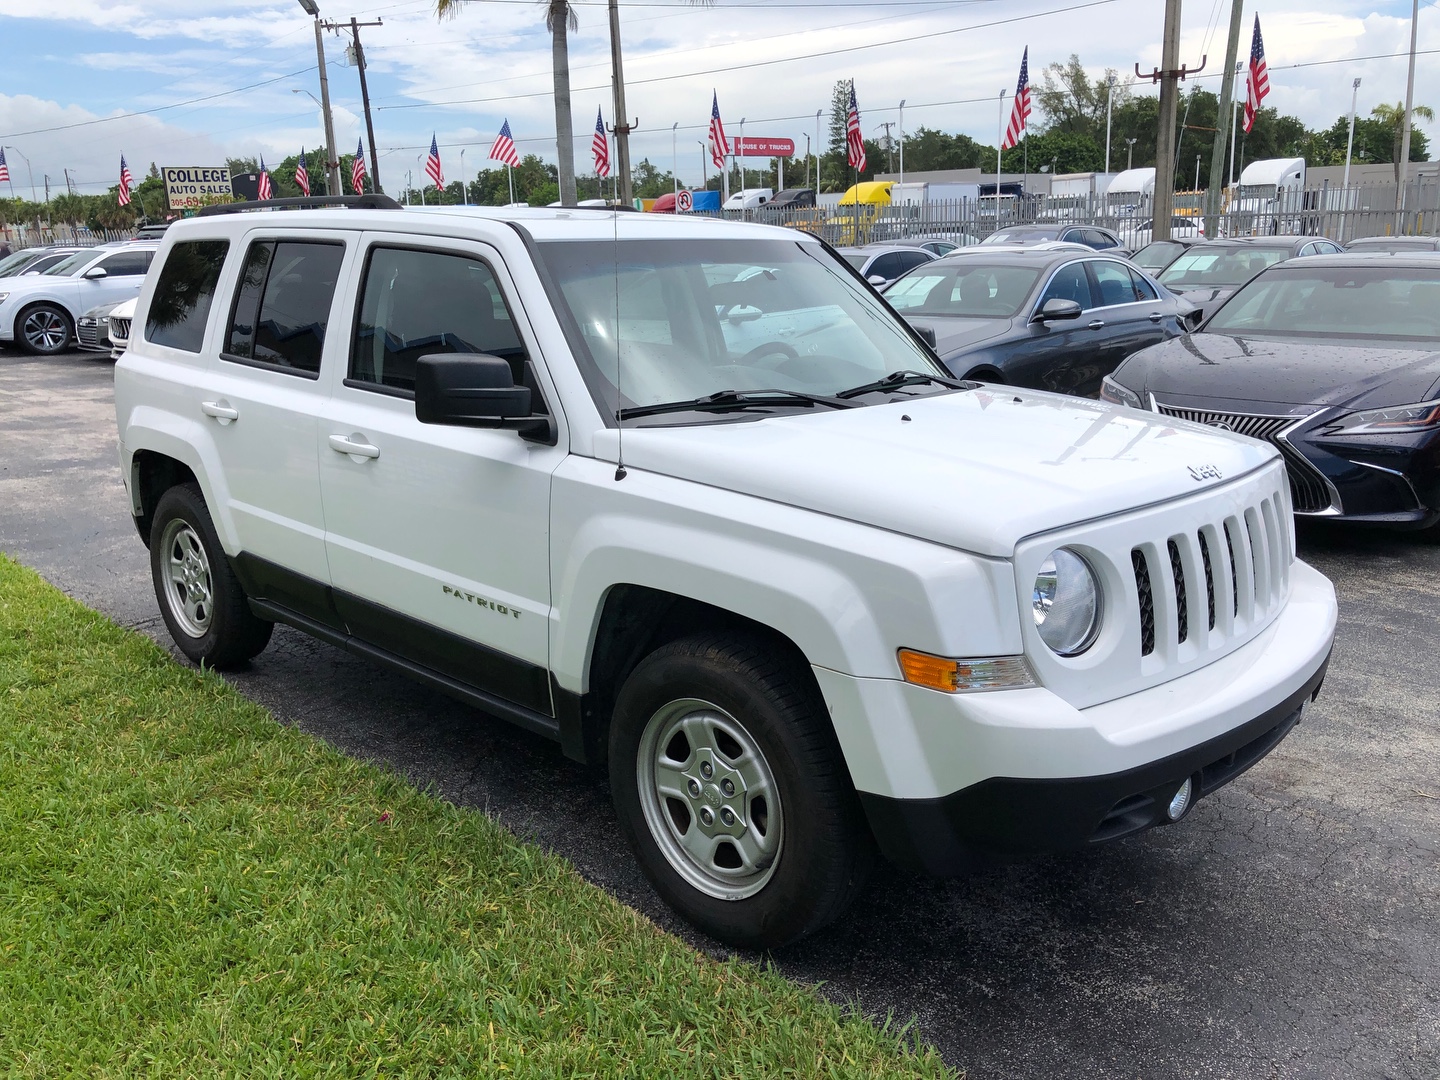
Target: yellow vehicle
x: 858, y: 209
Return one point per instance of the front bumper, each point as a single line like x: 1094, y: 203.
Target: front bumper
x: 947, y: 779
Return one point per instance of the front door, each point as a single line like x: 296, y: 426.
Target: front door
x: 1058, y: 355
x: 438, y: 536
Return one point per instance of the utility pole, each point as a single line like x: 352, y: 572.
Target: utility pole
x: 902, y: 143
x: 1164, y: 204
x: 355, y: 28
x: 889, y: 146
x: 332, y: 164
x: 623, y: 127
x: 1222, y: 121
x: 69, y: 186
x: 1409, y: 105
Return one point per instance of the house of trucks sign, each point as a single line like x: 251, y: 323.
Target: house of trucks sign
x: 191, y: 186
x: 766, y: 148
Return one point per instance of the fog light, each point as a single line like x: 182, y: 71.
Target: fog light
x: 1180, y: 801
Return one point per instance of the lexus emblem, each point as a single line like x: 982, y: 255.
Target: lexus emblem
x: 1204, y: 472
x: 1221, y: 424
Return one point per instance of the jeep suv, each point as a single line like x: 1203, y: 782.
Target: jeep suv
x: 689, y: 499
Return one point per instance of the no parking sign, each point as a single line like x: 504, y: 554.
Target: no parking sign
x: 684, y: 202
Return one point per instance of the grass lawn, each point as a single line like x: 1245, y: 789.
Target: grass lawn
x: 188, y: 888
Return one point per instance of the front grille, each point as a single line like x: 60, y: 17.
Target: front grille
x: 88, y: 333
x: 1308, y: 490
x: 1248, y: 549
x: 119, y: 330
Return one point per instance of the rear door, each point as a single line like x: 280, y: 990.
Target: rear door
x: 1132, y: 314
x: 263, y: 400
x: 438, y: 537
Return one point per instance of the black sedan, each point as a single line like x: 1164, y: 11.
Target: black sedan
x: 1336, y: 362
x: 1209, y: 272
x: 1400, y: 245
x: 1051, y: 319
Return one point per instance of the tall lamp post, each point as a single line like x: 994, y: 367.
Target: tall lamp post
x: 464, y: 194
x: 1349, y: 152
x: 1109, y: 98
x: 28, y: 170
x: 902, y: 142
x: 675, y: 155
x: 332, y: 165
x: 1129, y: 154
x: 704, y: 166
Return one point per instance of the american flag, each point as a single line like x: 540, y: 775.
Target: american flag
x: 302, y: 175
x: 504, y: 149
x: 126, y: 180
x: 1258, y: 84
x: 4, y: 169
x: 600, y: 145
x: 1020, y: 111
x: 719, y: 145
x: 357, y: 169
x: 432, y: 164
x: 264, y: 191
x: 854, y: 143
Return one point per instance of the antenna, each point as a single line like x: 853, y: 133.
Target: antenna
x: 619, y: 396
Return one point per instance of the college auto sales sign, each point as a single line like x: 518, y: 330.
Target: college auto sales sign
x: 191, y: 186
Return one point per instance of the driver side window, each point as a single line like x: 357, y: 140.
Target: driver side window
x: 1070, y: 283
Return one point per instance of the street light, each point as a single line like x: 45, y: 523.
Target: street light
x: 740, y: 154
x: 1129, y: 154
x: 675, y: 155
x: 464, y: 185
x: 704, y: 167
x: 1109, y: 96
x: 807, y: 159
x: 902, y: 143
x: 332, y: 165
x: 28, y: 170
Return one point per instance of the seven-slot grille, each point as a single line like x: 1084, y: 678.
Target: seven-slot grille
x: 1308, y: 489
x: 1243, y: 559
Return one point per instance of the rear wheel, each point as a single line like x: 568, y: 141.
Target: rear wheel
x: 203, y: 605
x: 44, y: 329
x: 731, y: 789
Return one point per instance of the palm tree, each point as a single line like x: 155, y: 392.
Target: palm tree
x: 559, y: 20
x: 1393, y: 117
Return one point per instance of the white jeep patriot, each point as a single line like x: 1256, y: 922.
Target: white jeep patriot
x: 690, y: 499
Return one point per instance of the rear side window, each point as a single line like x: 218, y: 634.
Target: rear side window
x: 1115, y: 282
x: 416, y: 303
x: 127, y: 263
x: 180, y: 307
x: 282, y: 305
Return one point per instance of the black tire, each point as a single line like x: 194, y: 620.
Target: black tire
x: 989, y: 375
x: 44, y: 329
x: 823, y: 848
x: 207, y: 613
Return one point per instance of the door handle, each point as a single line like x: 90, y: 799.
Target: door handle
x: 1098, y: 324
x: 220, y: 411
x: 1155, y: 316
x: 354, y: 445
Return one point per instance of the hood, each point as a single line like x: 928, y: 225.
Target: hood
x: 977, y: 470
x: 1258, y: 371
x: 24, y: 284
x: 955, y: 335
x: 125, y: 309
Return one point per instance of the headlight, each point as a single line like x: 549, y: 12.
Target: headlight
x: 1113, y: 392
x: 4, y: 296
x: 1066, y: 603
x: 1400, y: 419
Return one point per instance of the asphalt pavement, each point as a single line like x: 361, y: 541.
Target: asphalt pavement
x: 1289, y: 927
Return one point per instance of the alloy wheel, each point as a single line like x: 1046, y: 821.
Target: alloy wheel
x: 45, y: 330
x: 189, y: 590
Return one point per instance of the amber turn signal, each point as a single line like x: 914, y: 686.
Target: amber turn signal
x: 965, y: 676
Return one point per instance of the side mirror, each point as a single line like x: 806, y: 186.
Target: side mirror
x: 876, y: 279
x: 95, y: 273
x: 469, y: 390
x: 1057, y: 310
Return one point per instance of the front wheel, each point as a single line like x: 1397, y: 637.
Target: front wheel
x: 43, y: 330
x: 203, y: 605
x: 731, y: 789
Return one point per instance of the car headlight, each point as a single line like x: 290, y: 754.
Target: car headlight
x: 1113, y: 392
x: 1402, y: 418
x: 1066, y: 603
x: 4, y: 296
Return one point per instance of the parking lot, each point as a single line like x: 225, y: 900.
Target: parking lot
x: 1286, y: 928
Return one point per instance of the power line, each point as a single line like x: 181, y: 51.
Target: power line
x: 778, y: 60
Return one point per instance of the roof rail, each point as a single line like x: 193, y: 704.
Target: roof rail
x: 354, y: 202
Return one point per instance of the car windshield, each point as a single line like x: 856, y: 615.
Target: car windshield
x: 1157, y: 255
x: 1353, y: 304
x: 697, y: 317
x: 11, y: 263
x: 1199, y: 268
x: 67, y: 267
x: 1031, y: 235
x: 963, y: 289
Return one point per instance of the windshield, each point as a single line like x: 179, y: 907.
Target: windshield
x: 1340, y: 302
x: 963, y: 289
x: 11, y: 263
x: 696, y: 317
x: 1032, y: 235
x: 67, y: 267
x: 1199, y: 268
x: 1157, y: 255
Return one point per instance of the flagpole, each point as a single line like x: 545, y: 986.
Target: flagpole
x: 510, y: 177
x: 999, y: 150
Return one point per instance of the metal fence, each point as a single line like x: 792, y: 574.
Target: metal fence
x: 1339, y: 214
x: 24, y: 236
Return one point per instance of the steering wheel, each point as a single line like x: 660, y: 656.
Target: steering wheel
x: 770, y: 348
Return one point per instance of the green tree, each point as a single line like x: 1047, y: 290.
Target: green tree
x: 1068, y: 100
x: 1392, y: 119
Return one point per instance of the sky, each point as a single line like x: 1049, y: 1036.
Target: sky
x: 218, y: 78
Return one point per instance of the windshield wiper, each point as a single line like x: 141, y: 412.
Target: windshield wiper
x: 898, y: 379
x: 725, y: 400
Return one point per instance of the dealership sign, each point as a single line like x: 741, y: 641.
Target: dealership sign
x: 766, y: 148
x: 190, y: 186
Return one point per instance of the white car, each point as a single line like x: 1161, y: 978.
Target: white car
x: 807, y: 598
x: 1137, y: 234
x: 748, y: 199
x: 40, y: 312
x: 121, y: 319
